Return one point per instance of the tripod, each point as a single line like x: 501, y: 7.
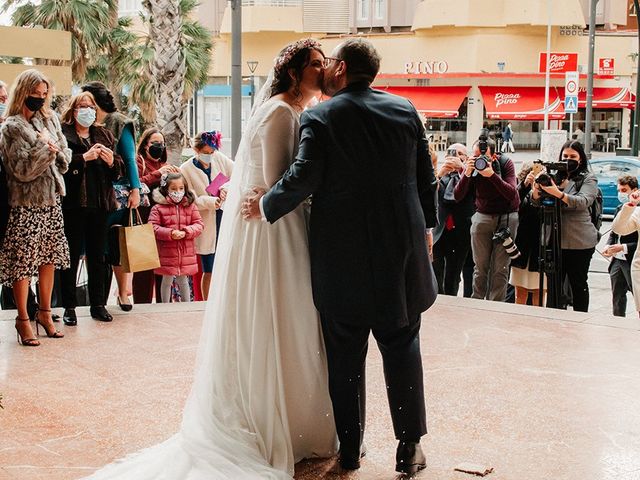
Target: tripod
x: 550, y: 252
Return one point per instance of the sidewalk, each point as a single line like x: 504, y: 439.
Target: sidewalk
x: 534, y: 393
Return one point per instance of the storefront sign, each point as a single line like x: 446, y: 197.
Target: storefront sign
x: 506, y: 98
x: 428, y: 68
x: 559, y: 62
x: 606, y: 66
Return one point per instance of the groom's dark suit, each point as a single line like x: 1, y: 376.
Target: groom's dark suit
x: 364, y: 158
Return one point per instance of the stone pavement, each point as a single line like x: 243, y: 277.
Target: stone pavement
x: 532, y: 392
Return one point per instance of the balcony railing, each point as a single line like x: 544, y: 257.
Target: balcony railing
x: 272, y: 3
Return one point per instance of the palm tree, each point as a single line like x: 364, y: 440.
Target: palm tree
x: 168, y: 71
x: 84, y: 19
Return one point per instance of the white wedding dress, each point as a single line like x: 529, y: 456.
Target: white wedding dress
x: 260, y: 399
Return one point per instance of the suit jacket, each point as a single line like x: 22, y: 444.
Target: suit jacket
x: 631, y: 240
x: 364, y: 157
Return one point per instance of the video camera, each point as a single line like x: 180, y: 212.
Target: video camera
x: 556, y: 171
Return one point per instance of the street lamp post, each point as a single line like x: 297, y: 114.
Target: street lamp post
x: 252, y: 64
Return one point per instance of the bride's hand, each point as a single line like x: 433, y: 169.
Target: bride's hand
x: 250, y: 209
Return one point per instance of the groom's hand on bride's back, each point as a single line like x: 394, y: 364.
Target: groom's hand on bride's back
x: 250, y: 208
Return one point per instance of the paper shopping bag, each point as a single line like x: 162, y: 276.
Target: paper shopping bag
x: 138, y: 249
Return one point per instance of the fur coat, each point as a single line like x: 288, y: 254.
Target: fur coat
x: 34, y: 173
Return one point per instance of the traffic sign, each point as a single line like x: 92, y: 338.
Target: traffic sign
x: 571, y: 104
x: 571, y: 80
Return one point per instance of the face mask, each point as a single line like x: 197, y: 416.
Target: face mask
x: 34, y: 103
x: 176, y: 196
x: 156, y: 150
x: 3, y: 108
x: 205, y: 158
x: 623, y: 197
x: 86, y: 116
x: 572, y: 165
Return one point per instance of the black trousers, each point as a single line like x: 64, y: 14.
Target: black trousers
x: 346, y: 347
x: 575, y: 266
x: 86, y: 231
x: 620, y: 275
x: 449, y: 256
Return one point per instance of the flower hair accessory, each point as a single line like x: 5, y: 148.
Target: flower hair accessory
x: 212, y: 138
x: 291, y: 50
x: 163, y: 180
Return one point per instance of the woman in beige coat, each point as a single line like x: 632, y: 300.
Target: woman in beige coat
x: 199, y: 172
x: 626, y: 222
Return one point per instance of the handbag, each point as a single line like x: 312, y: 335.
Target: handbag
x: 122, y: 191
x: 138, y: 248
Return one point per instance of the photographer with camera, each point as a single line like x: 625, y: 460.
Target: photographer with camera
x: 576, y: 190
x: 492, y: 178
x: 452, y: 240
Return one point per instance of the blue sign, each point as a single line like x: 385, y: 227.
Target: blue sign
x: 571, y: 104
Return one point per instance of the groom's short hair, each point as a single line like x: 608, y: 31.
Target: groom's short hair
x: 362, y: 59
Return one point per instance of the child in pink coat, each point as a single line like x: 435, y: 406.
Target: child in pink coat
x: 176, y: 222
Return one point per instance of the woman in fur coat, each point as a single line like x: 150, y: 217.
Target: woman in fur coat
x: 35, y: 156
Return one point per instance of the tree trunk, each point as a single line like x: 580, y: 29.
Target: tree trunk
x: 168, y: 72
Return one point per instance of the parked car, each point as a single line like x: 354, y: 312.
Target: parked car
x: 608, y: 170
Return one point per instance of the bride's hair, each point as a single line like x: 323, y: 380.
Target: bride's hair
x: 295, y: 57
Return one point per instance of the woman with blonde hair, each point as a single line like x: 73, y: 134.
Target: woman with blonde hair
x: 90, y: 197
x: 35, y: 156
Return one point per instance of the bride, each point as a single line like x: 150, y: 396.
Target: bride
x: 260, y: 401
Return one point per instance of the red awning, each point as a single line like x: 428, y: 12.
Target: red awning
x: 521, y: 103
x: 606, y: 97
x: 433, y: 102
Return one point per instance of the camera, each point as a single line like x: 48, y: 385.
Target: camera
x: 556, y: 171
x: 483, y: 161
x: 503, y: 235
x: 452, y: 152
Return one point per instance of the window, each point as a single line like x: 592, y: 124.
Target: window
x: 379, y: 9
x: 363, y: 9
x: 632, y: 9
x: 127, y: 8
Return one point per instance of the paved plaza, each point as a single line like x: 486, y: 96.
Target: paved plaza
x: 534, y: 393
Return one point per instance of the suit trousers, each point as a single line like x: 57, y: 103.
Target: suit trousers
x: 491, y: 273
x: 346, y: 347
x: 620, y: 275
x: 86, y: 231
x: 449, y: 256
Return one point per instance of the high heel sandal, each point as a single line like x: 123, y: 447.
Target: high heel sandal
x: 54, y: 334
x: 27, y: 342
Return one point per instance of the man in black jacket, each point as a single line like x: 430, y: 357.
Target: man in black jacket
x: 364, y: 157
x: 621, y: 249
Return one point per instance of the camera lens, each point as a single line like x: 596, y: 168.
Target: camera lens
x: 543, y: 179
x: 481, y: 163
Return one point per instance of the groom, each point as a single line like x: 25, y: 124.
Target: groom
x: 364, y: 157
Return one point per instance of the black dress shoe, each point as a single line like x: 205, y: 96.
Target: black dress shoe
x: 351, y: 462
x: 409, y: 458
x: 125, y: 307
x: 69, y: 317
x: 100, y: 313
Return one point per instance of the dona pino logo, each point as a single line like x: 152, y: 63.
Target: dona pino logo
x: 506, y: 98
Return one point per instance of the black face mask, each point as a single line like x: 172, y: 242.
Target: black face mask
x: 34, y: 103
x: 572, y: 165
x: 156, y: 150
